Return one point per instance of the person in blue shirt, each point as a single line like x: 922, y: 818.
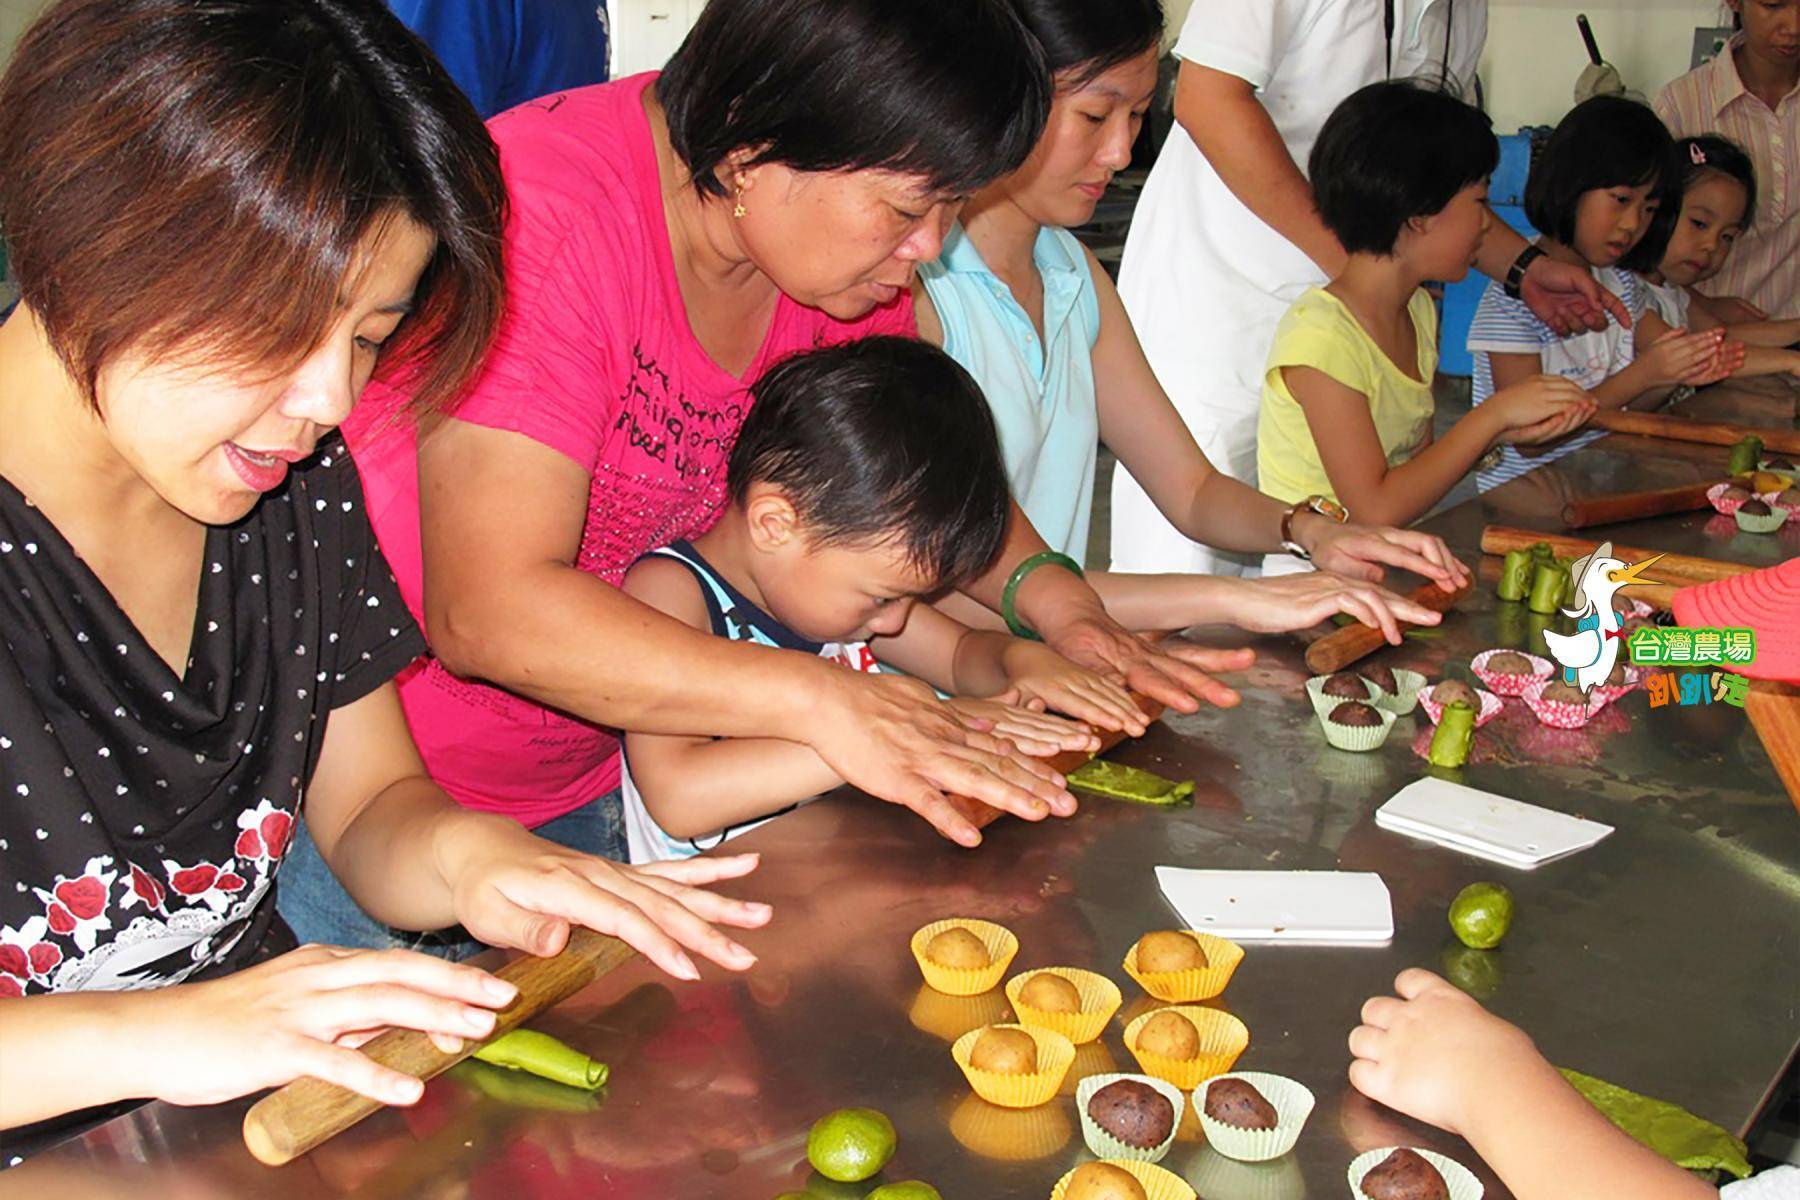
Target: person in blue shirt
x: 505, y: 52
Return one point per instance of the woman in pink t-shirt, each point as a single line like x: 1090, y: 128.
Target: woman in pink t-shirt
x: 670, y: 237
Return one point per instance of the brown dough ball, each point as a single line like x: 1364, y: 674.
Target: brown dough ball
x: 1135, y: 1113
x: 1755, y: 508
x: 1452, y: 690
x: 1791, y: 497
x: 1170, y: 1035
x: 1509, y: 663
x: 1355, y: 712
x: 1405, y: 1175
x: 1382, y: 677
x: 1170, y: 950
x: 1734, y: 492
x: 1780, y: 464
x: 1346, y: 685
x: 1103, y: 1181
x: 1236, y: 1103
x: 1005, y: 1052
x: 1050, y: 993
x: 1616, y: 676
x: 958, y: 947
x: 1565, y: 693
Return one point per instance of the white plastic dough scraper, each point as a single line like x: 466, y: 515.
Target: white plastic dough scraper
x: 1343, y: 907
x: 1485, y: 825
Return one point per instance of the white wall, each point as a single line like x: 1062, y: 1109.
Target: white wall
x: 15, y: 15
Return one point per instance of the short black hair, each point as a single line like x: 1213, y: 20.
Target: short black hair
x: 1695, y: 156
x: 883, y: 438
x: 955, y: 90
x: 1394, y: 151
x: 1087, y: 38
x: 1604, y: 142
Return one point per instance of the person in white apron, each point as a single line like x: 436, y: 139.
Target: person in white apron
x: 1207, y: 277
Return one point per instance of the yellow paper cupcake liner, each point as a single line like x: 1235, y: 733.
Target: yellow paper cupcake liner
x: 1197, y: 983
x: 1158, y: 1183
x: 1055, y: 1054
x: 1090, y: 1059
x: 1222, y: 1039
x: 1219, y: 1178
x: 1461, y: 1181
x: 1100, y: 999
x: 965, y: 981
x: 1403, y: 701
x: 1322, y: 704
x: 949, y: 1017
x: 1292, y: 1101
x: 1104, y: 1144
x: 1010, y: 1134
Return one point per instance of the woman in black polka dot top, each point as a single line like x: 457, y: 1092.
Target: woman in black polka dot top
x: 223, y: 218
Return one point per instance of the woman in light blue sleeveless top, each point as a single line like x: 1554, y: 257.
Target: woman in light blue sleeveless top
x: 1018, y: 301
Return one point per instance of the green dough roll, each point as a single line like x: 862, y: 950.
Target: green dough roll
x: 542, y: 1055
x: 1548, y: 582
x: 1130, y: 784
x: 1744, y: 456
x: 1455, y: 733
x: 1515, y: 575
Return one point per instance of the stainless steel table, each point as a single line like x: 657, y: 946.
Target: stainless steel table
x: 1666, y: 959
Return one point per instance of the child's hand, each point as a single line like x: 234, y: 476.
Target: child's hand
x: 1434, y: 1053
x: 1540, y: 409
x: 1285, y: 602
x: 1679, y: 357
x: 1033, y: 731
x: 1044, y: 679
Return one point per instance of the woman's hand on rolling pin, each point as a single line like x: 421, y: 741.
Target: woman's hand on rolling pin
x: 301, y: 1014
x: 1362, y: 551
x: 893, y: 738
x: 1301, y: 601
x: 1174, y: 672
x: 513, y: 889
x: 1034, y: 731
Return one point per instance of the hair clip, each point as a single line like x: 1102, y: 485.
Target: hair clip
x: 1697, y: 154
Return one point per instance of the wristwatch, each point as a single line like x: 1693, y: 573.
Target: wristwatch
x: 1324, y: 506
x: 1515, y: 274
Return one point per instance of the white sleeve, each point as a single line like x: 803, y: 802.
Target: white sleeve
x: 1778, y: 1183
x: 1238, y: 37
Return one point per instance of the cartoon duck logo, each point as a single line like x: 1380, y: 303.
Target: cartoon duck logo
x: 1587, y: 655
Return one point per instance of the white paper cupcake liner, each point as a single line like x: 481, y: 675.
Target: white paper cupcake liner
x: 1323, y: 704
x: 1406, y: 698
x: 1358, y: 738
x: 1219, y: 1178
x: 1459, y: 1179
x: 1507, y: 684
x: 1559, y: 714
x: 1292, y: 1101
x: 1104, y: 1144
x: 1768, y: 522
x: 1491, y: 706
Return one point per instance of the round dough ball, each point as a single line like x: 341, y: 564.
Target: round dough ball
x: 1346, y: 685
x: 1171, y: 1035
x: 1405, y: 1175
x: 1004, y: 1052
x: 1356, y: 713
x: 960, y: 948
x: 1382, y: 677
x: 1050, y: 993
x: 1238, y: 1104
x: 1452, y: 690
x: 1135, y: 1113
x: 1103, y: 1181
x: 1616, y: 676
x: 1565, y: 693
x: 1509, y: 663
x: 1755, y: 508
x: 1790, y: 497
x: 1170, y: 950
x: 1735, y: 493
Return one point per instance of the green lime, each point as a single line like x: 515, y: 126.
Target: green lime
x: 850, y: 1144
x: 1481, y: 914
x: 912, y: 1189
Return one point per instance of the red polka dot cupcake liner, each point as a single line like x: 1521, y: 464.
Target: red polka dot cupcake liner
x: 1559, y: 714
x: 1715, y: 496
x: 1491, y: 706
x: 1633, y: 677
x: 1503, y: 683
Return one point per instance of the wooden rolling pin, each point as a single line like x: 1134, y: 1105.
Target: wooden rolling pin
x: 1679, y: 570
x: 1335, y: 651
x: 293, y: 1119
x: 982, y: 815
x: 1683, y: 429
x: 1635, y: 506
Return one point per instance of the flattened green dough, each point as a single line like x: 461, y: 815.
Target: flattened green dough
x: 1676, y: 1134
x: 542, y: 1055
x: 1131, y: 784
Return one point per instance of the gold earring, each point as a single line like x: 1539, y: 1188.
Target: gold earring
x: 739, y: 211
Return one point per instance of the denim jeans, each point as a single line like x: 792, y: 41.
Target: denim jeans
x: 318, y: 909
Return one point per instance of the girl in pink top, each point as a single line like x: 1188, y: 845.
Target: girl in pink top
x: 670, y: 237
